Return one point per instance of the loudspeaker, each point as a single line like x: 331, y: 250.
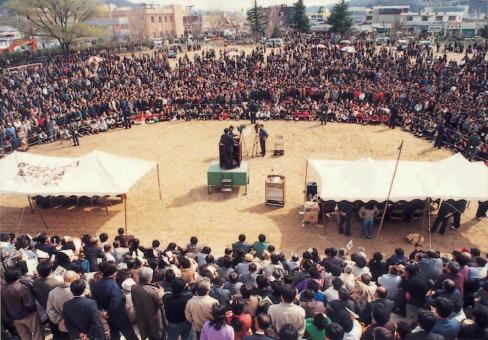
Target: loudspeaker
x: 311, y: 189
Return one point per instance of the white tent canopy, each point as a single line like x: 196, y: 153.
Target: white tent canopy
x: 94, y: 174
x: 368, y: 179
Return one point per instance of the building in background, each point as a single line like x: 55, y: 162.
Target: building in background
x: 192, y: 24
x: 361, y: 15
x: 433, y: 20
x: 151, y: 21
x: 279, y: 16
x: 117, y: 27
x: 318, y: 19
x: 220, y: 24
x: 388, y: 17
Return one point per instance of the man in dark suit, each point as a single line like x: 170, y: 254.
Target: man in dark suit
x: 379, y: 300
x: 345, y: 217
x: 439, y: 139
x: 393, y: 116
x: 263, y: 135
x: 110, y: 298
x: 228, y: 150
x: 482, y: 208
x: 124, y: 107
x: 253, y: 109
x: 426, y: 320
x: 81, y: 315
x: 459, y: 207
x: 261, y: 323
x: 445, y: 211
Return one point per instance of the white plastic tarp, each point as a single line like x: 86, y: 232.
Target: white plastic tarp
x: 94, y: 174
x: 368, y: 179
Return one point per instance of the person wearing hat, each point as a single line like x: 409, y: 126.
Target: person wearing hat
x: 109, y: 297
x: 217, y: 328
x: 129, y: 305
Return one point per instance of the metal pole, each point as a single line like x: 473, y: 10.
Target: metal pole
x: 159, y: 182
x: 428, y: 216
x: 125, y: 213
x: 400, y: 148
x: 306, y: 174
x: 30, y: 204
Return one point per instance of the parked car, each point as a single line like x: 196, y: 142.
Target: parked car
x: 425, y: 44
x: 274, y: 42
x: 402, y: 45
x: 382, y: 40
x: 171, y: 54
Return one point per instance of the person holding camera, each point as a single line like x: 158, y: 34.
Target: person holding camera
x: 263, y: 135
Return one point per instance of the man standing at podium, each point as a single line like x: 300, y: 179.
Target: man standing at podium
x: 227, y: 142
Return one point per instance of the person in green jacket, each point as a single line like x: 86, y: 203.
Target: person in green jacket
x: 315, y: 327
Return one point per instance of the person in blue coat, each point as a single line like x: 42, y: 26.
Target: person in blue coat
x: 109, y: 297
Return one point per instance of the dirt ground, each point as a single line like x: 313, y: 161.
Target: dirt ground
x: 184, y: 151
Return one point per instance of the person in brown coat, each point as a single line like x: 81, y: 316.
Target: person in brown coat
x: 148, y: 301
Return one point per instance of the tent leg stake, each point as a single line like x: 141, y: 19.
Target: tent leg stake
x: 43, y: 220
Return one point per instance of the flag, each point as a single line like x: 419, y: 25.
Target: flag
x: 349, y: 245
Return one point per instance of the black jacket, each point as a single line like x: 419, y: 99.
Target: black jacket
x: 81, y: 315
x: 423, y: 335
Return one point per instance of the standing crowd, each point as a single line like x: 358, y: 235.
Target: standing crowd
x: 94, y: 287
x: 431, y: 97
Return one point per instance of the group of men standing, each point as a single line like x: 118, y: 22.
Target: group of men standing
x: 227, y: 141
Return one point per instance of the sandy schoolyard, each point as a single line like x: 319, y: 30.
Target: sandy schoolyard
x: 184, y: 151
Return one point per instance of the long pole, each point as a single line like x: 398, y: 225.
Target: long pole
x: 159, y: 182
x: 305, y: 184
x: 400, y: 148
x: 30, y: 204
x: 125, y: 213
x: 428, y: 216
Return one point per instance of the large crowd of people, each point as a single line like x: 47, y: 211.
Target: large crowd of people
x: 95, y: 287
x: 309, y: 78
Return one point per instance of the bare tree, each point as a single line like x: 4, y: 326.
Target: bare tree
x: 63, y: 20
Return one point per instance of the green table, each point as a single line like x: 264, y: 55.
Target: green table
x: 216, y: 175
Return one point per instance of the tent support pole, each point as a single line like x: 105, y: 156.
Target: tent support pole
x: 30, y: 204
x: 20, y: 219
x: 400, y: 148
x: 423, y: 218
x: 125, y: 213
x: 159, y: 181
x: 428, y: 227
x: 305, y: 184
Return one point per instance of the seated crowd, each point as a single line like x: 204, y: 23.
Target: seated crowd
x: 429, y: 96
x: 97, y: 288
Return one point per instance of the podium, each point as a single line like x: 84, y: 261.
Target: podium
x: 311, y: 211
x: 225, y: 179
x: 274, y: 190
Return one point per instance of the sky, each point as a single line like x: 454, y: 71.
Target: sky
x: 232, y: 5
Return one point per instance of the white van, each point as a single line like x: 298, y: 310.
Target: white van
x: 274, y: 42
